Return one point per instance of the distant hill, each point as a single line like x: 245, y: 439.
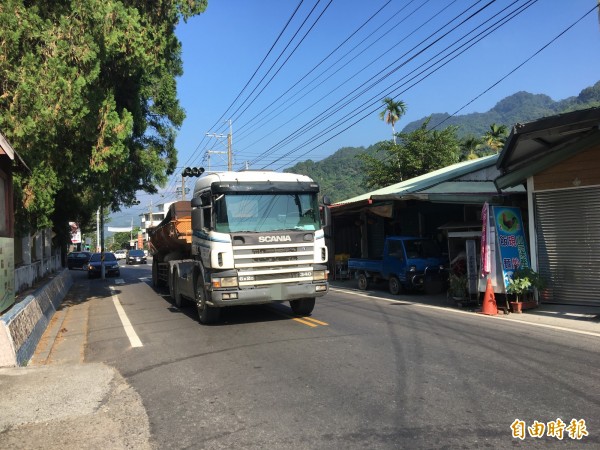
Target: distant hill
x: 517, y: 108
x: 341, y: 176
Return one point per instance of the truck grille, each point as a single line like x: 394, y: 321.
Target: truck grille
x: 269, y: 264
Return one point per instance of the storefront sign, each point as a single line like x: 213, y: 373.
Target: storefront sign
x: 511, y: 240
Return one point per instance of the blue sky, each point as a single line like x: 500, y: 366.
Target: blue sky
x: 315, y: 99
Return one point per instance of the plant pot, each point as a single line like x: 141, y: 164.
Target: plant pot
x: 516, y: 307
x: 530, y: 304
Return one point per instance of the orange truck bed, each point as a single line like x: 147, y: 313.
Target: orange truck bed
x: 174, y: 233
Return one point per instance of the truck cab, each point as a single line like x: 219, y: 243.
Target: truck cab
x: 257, y: 238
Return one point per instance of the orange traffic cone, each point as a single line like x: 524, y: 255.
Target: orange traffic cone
x: 489, y: 306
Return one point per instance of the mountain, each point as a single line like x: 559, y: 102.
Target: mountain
x: 517, y: 108
x: 341, y: 176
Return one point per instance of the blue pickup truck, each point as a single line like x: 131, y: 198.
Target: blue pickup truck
x: 408, y: 263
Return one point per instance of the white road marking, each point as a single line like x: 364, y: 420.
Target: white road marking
x: 119, y: 281
x: 470, y: 313
x: 131, y: 334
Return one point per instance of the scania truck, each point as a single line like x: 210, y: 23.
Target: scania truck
x: 256, y: 237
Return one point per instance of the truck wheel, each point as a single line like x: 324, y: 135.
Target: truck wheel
x: 156, y: 281
x: 207, y: 314
x: 175, y: 295
x: 363, y: 283
x: 395, y: 286
x: 303, y: 307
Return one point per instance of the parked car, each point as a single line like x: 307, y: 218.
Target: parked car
x: 121, y: 254
x: 111, y: 265
x: 78, y: 260
x: 136, y: 257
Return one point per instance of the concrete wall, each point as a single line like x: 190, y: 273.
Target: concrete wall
x: 24, y: 324
x: 26, y: 276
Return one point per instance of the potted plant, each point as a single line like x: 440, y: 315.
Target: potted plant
x: 457, y: 286
x: 521, y: 285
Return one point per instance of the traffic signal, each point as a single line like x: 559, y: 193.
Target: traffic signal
x: 192, y: 171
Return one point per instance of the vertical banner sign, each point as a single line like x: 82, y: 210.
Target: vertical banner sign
x: 511, y: 240
x: 486, y: 264
x: 7, y: 273
x: 471, y: 266
x: 140, y: 242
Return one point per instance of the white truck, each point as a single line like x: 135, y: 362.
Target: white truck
x: 256, y: 237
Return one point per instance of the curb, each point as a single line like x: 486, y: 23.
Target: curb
x: 22, y: 327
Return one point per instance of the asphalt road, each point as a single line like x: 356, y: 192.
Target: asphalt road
x: 361, y: 372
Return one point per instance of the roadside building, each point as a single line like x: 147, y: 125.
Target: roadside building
x: 558, y: 159
x: 10, y: 161
x: 445, y: 204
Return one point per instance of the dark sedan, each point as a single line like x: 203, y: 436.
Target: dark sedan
x: 78, y: 260
x: 136, y: 257
x: 111, y: 265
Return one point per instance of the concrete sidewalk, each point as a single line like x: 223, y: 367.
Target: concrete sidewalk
x: 59, y: 402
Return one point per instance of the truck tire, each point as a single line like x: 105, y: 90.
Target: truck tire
x: 174, y: 289
x: 395, y: 286
x: 207, y: 314
x: 303, y: 307
x: 363, y: 282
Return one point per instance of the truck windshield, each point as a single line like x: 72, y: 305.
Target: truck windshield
x: 235, y: 212
x: 422, y: 248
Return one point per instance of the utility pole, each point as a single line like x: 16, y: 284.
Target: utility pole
x: 229, y: 151
x: 98, y: 230
x: 229, y: 148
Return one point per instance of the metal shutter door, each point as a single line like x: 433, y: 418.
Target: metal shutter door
x: 568, y: 234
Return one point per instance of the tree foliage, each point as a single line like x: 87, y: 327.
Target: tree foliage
x: 495, y: 137
x: 340, y: 176
x: 417, y: 153
x: 392, y: 113
x: 88, y: 99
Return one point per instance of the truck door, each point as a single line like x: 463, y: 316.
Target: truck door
x: 394, y: 260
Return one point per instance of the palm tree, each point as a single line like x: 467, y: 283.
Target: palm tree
x: 495, y: 136
x: 392, y: 113
x: 469, y: 147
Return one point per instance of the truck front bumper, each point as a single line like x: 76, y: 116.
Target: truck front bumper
x: 267, y: 294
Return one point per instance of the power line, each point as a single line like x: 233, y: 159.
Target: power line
x: 373, y: 82
x: 490, y: 87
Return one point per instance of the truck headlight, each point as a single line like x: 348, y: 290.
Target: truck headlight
x: 224, y: 282
x: 320, y: 275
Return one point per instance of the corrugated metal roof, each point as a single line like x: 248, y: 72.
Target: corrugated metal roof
x: 439, y: 181
x: 539, y: 144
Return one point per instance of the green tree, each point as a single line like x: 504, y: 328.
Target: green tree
x: 495, y: 137
x: 121, y: 239
x: 392, y: 113
x: 88, y: 99
x: 470, y: 146
x: 417, y: 153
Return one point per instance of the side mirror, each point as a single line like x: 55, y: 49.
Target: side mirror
x: 196, y: 202
x: 326, y: 200
x: 325, y: 215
